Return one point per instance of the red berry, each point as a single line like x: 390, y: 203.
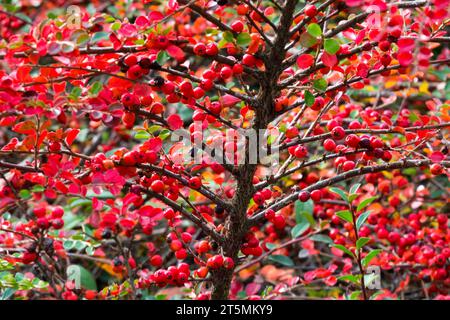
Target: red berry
x: 348, y: 165
x: 54, y: 146
x: 200, y: 49
x: 156, y: 260
x: 304, y: 196
x: 310, y: 10
x: 195, y: 182
x: 338, y: 133
x: 436, y: 169
x: 329, y: 145
x: 157, y: 186
x: 316, y: 195
x: 352, y: 140
x: 237, y: 26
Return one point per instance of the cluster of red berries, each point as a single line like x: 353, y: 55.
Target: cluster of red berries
x: 136, y: 67
x: 251, y: 246
x: 176, y: 276
x: 218, y: 261
x: 49, y: 217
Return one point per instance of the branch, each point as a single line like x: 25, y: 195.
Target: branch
x: 342, y: 177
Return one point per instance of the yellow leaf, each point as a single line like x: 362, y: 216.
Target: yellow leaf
x: 424, y: 87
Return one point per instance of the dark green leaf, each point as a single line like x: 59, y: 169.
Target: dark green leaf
x: 314, y: 30
x: 331, y: 46
x: 309, y: 98
x: 283, y: 260
x: 345, y: 215
x: 362, y: 242
x: 372, y: 254
x: 365, y: 203
x: 344, y: 249
x: 361, y: 219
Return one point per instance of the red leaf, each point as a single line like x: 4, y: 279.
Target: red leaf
x: 25, y: 127
x: 305, y: 61
x: 175, y: 52
x: 329, y: 60
x: 405, y: 58
x: 71, y: 136
x: 437, y: 156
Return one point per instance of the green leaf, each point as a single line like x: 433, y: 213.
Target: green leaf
x: 228, y: 36
x: 372, y: 254
x: 331, y: 46
x: 69, y: 244
x: 142, y: 135
x: 362, y: 242
x: 164, y: 134
x: 283, y: 260
x: 340, y: 193
x: 355, y: 295
x: 96, y: 88
x: 365, y: 203
x: 350, y: 278
x: 299, y: 229
x: 344, y: 249
x: 162, y: 57
x: 243, y: 39
x: 321, y: 238
x: 354, y: 188
x: 309, y: 98
x: 24, y: 194
x: 345, y: 215
x: 320, y: 84
x: 37, y: 188
x: 314, y: 30
x: 361, y: 219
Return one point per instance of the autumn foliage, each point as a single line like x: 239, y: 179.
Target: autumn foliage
x: 99, y: 201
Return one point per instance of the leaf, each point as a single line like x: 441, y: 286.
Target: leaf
x: 361, y: 219
x: 362, y: 242
x: 162, y: 57
x: 344, y: 249
x: 321, y: 238
x: 365, y: 203
x: 350, y: 278
x: 354, y: 188
x: 283, y: 260
x: 243, y: 39
x: 340, y: 193
x: 331, y: 46
x: 142, y: 135
x: 299, y: 229
x: 320, y: 84
x: 24, y: 194
x: 345, y: 215
x: 228, y: 36
x: 309, y: 98
x: 305, y: 61
x: 314, y: 30
x: 372, y: 254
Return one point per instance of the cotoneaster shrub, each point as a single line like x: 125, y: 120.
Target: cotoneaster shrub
x: 99, y: 201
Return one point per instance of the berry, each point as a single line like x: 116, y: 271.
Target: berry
x: 310, y: 10
x: 348, y: 165
x: 304, y: 196
x: 338, y: 133
x: 329, y: 145
x: 316, y: 195
x: 195, y: 183
x: 237, y: 26
x: 157, y: 186
x: 200, y: 49
x: 156, y: 260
